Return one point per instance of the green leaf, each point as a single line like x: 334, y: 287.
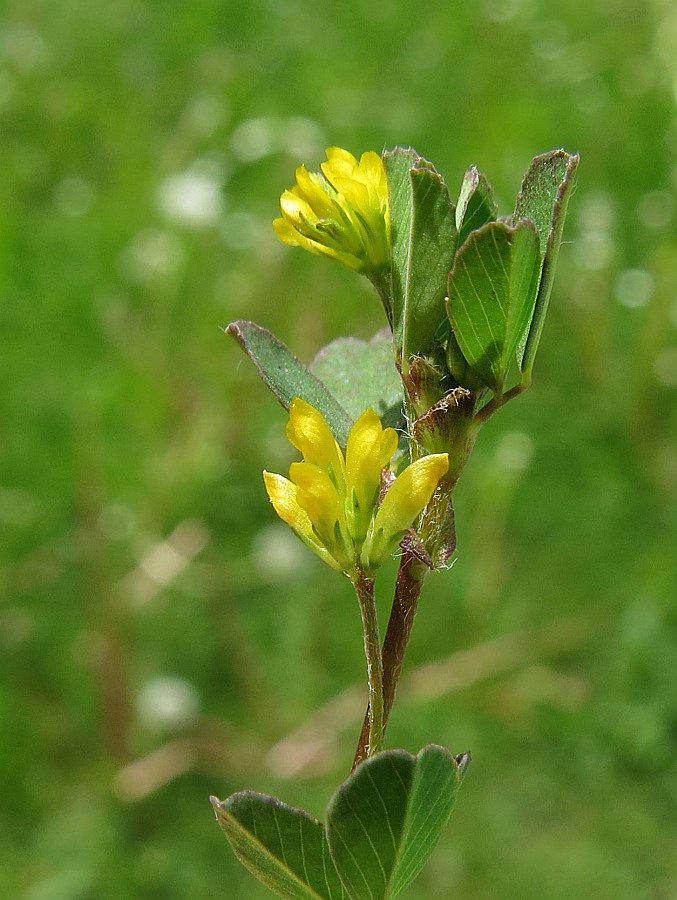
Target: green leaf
x: 283, y: 847
x: 362, y: 374
x: 544, y: 197
x: 385, y: 820
x: 424, y: 243
x: 492, y: 291
x: 288, y: 377
x: 476, y: 204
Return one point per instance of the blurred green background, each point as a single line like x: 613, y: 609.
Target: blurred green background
x: 162, y: 637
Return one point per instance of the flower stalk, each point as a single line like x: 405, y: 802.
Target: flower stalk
x: 364, y: 587
x: 410, y: 580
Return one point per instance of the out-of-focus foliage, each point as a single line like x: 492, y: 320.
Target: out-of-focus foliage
x: 159, y: 632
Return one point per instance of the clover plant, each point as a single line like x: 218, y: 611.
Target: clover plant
x: 385, y: 429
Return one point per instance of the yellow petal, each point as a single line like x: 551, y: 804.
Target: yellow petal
x: 314, y: 190
x: 363, y: 440
x: 282, y: 495
x: 308, y: 431
x: 296, y: 209
x: 373, y: 172
x: 410, y: 492
x: 286, y: 232
x: 370, y: 448
x: 317, y: 495
x: 339, y: 162
x: 363, y: 472
x: 407, y: 497
x: 369, y: 445
x: 294, y: 236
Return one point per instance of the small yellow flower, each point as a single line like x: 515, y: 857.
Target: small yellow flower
x: 282, y: 494
x: 331, y: 501
x: 342, y: 213
x: 407, y: 497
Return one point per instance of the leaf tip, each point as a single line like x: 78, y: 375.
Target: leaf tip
x: 462, y: 761
x: 233, y: 328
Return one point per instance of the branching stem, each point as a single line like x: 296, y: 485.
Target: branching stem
x: 497, y: 402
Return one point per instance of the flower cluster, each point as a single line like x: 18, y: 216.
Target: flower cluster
x: 342, y: 213
x: 331, y: 501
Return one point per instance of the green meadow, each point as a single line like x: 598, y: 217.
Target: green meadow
x: 163, y: 636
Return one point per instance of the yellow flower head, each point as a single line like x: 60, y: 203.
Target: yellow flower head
x: 332, y: 502
x: 342, y: 213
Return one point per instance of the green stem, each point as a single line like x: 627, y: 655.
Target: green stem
x: 364, y: 587
x: 407, y: 592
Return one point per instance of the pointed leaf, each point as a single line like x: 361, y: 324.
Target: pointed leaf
x: 362, y: 374
x: 476, y: 204
x: 424, y: 243
x: 544, y: 197
x: 492, y: 291
x: 288, y: 377
x: 385, y: 820
x: 283, y: 847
